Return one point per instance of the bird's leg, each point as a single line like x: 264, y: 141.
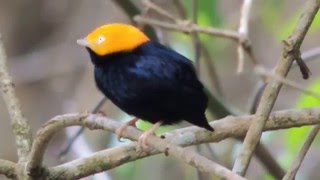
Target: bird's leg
x: 101, y: 113
x: 120, y: 130
x: 144, y: 137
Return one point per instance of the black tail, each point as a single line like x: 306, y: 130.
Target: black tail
x: 201, y: 122
x: 207, y: 126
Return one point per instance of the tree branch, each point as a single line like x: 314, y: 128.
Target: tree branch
x: 271, y: 91
x: 263, y: 72
x: 244, y: 43
x: 224, y: 128
x: 20, y: 125
x: 8, y: 168
x: 98, y: 122
x: 189, y: 28
x: 151, y: 5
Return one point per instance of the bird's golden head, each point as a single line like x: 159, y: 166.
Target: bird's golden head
x: 113, y: 38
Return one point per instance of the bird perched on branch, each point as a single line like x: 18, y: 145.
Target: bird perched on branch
x: 145, y: 79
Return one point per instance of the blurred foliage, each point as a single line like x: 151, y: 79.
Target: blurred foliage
x: 282, y: 27
x: 207, y: 12
x: 287, y: 27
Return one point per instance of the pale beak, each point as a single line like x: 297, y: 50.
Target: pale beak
x: 83, y: 42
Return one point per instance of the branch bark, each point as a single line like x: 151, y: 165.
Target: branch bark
x: 271, y: 91
x: 97, y: 122
x: 20, y: 126
x: 244, y: 31
x: 225, y: 128
x: 8, y: 168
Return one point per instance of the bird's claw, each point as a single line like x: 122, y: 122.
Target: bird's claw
x: 84, y: 114
x: 101, y: 113
x: 120, y: 130
x: 119, y: 133
x: 143, y: 139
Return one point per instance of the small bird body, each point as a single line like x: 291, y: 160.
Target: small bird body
x: 144, y: 78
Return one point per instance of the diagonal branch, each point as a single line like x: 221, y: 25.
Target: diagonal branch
x: 20, y: 125
x: 272, y: 89
x: 159, y: 10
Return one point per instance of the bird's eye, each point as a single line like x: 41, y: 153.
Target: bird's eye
x: 101, y: 39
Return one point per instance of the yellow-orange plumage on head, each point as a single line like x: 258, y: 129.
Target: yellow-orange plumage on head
x: 112, y: 38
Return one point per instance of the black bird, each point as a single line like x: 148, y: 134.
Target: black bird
x: 145, y: 79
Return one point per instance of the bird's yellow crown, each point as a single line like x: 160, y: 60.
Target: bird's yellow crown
x: 112, y: 38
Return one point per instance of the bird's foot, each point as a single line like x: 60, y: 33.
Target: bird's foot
x: 84, y: 114
x: 120, y: 130
x: 101, y: 113
x: 143, y: 139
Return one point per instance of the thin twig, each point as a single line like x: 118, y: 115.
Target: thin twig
x: 189, y: 28
x: 20, y: 125
x: 271, y: 91
x: 307, y: 56
x: 290, y: 175
x: 110, y: 158
x: 310, y: 55
x: 244, y: 31
x: 151, y: 5
x: 240, y: 51
x: 263, y: 72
